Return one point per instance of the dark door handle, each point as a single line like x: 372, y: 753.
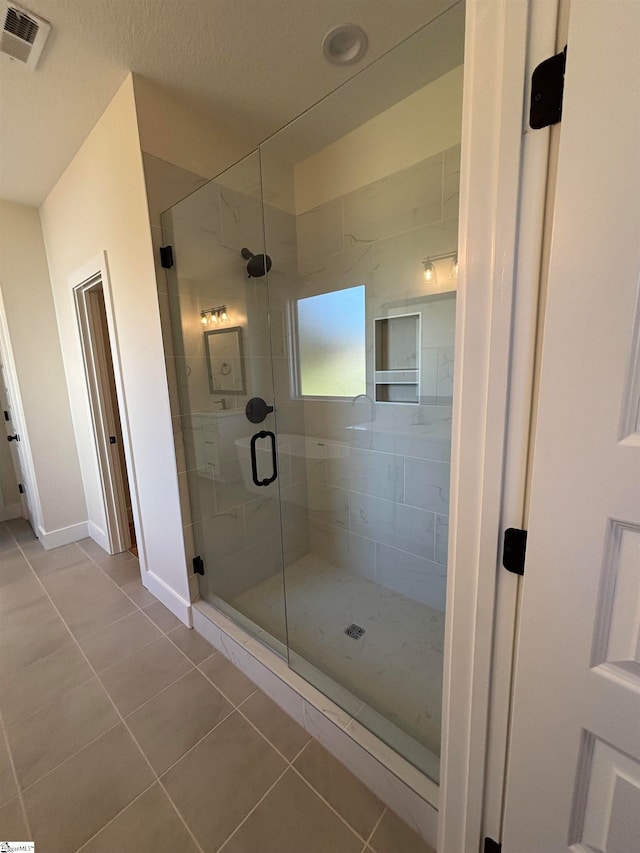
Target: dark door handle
x: 257, y: 410
x: 15, y: 437
x: 254, y: 462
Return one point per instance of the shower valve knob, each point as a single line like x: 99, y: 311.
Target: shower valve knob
x: 257, y: 410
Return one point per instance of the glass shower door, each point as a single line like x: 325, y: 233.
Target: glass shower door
x: 219, y: 303
x: 365, y: 310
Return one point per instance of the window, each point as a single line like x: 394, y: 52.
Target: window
x: 331, y: 344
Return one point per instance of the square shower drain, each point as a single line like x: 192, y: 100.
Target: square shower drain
x: 354, y: 631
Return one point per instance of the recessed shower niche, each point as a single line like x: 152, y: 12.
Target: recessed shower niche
x: 334, y: 510
x: 397, y: 369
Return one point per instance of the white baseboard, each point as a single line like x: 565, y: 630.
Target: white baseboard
x: 63, y: 535
x: 10, y: 511
x: 175, y: 603
x: 398, y: 784
x: 99, y: 536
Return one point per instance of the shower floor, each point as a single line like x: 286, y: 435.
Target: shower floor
x: 394, y: 669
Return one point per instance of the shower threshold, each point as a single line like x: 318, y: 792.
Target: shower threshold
x: 397, y: 782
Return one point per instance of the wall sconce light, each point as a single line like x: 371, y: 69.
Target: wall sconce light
x: 432, y: 264
x: 220, y: 314
x: 428, y: 271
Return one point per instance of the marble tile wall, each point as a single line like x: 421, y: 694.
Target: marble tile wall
x: 382, y: 510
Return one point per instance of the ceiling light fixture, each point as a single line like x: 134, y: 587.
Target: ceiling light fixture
x: 345, y: 45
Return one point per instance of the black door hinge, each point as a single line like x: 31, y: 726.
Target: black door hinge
x: 112, y: 439
x: 514, y: 550
x: 21, y: 488
x: 491, y: 846
x: 6, y: 415
x: 166, y: 256
x: 547, y: 90
x: 198, y: 565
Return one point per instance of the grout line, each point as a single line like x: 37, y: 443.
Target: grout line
x: 122, y: 719
x: 328, y: 804
x: 15, y: 777
x: 248, y: 815
x: 116, y: 816
x: 376, y: 825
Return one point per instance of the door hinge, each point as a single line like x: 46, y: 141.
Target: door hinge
x: 514, y: 550
x: 112, y: 439
x: 198, y: 565
x: 547, y: 89
x: 166, y: 256
x: 491, y: 846
x: 6, y: 415
x: 21, y: 488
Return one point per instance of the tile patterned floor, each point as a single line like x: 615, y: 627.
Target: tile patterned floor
x: 123, y: 730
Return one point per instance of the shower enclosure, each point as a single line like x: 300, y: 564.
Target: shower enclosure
x: 313, y: 303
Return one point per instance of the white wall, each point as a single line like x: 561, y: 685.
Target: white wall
x: 175, y: 132
x: 426, y: 122
x: 99, y: 204
x: 26, y: 291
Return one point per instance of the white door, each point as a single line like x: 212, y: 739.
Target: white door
x: 13, y: 435
x: 573, y: 778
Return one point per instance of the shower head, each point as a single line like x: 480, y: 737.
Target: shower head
x: 257, y: 265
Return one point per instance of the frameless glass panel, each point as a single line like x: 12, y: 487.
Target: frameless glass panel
x: 222, y: 360
x: 362, y: 228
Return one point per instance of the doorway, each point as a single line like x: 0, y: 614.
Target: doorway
x: 105, y: 415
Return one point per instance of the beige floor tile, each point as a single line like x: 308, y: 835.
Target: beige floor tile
x: 279, y: 729
x: 58, y: 558
x: 291, y: 819
x: 73, y: 586
x: 348, y: 796
x: 149, y: 825
x: 31, y: 632
x: 21, y: 530
x: 22, y: 592
x: 162, y: 616
x: 124, y: 572
x: 116, y: 642
x: 139, y: 594
x: 70, y: 804
x: 24, y: 645
x: 109, y: 560
x: 64, y: 727
x: 393, y: 835
x: 217, y: 784
x: 13, y: 567
x: 8, y: 788
x: 194, y: 646
x: 91, y: 548
x: 227, y: 678
x: 145, y: 673
x: 26, y: 691
x: 99, y: 613
x: 12, y: 822
x: 192, y: 701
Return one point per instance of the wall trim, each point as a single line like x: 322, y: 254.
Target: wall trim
x: 370, y: 759
x: 63, y: 535
x: 179, y: 606
x: 98, y: 535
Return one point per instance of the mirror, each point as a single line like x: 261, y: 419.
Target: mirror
x: 225, y: 363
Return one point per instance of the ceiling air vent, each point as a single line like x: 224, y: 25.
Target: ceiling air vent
x: 23, y: 34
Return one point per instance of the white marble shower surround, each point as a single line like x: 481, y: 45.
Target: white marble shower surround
x: 397, y: 783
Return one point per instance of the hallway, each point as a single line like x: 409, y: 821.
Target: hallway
x: 124, y: 730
